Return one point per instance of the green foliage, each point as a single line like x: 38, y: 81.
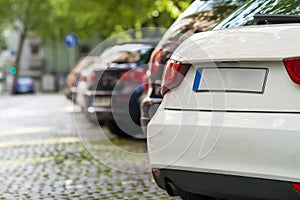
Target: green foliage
x: 2, y: 41
x: 22, y: 15
x: 53, y: 19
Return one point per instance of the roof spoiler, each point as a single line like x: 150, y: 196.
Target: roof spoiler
x: 260, y: 19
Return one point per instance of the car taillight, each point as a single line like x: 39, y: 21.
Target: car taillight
x: 137, y: 75
x: 155, y: 62
x: 296, y: 186
x: 125, y: 76
x: 146, y: 84
x: 292, y: 66
x: 173, y: 75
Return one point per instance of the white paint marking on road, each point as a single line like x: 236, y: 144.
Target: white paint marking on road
x: 24, y: 130
x: 17, y: 143
x: 17, y: 162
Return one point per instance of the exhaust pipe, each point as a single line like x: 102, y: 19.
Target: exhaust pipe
x: 171, y: 189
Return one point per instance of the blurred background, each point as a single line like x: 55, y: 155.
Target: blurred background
x: 33, y: 34
x: 48, y: 149
x: 90, y: 75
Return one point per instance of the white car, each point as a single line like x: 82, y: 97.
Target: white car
x: 86, y: 74
x: 229, y: 123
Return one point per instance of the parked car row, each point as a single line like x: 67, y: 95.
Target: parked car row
x: 118, y: 91
x: 115, y: 94
x: 216, y: 98
x: 110, y: 86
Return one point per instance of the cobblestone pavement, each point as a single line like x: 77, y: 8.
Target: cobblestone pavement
x: 49, y: 151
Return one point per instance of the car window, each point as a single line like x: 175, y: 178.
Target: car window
x: 84, y: 63
x: 128, y: 57
x: 131, y: 53
x: 200, y: 16
x: 244, y: 15
x: 24, y: 80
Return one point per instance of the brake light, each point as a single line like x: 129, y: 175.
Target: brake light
x: 137, y: 75
x: 292, y: 66
x: 125, y: 76
x: 296, y: 186
x: 156, y: 61
x: 173, y: 75
x: 146, y: 84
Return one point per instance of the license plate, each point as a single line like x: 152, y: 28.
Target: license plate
x: 23, y: 89
x: 230, y: 79
x: 102, y: 101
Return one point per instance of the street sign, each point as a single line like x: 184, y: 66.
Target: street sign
x: 71, y: 40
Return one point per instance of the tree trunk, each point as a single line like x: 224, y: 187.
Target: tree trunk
x: 19, y: 54
x: 54, y: 57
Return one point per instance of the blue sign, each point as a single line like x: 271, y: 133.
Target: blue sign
x: 13, y: 53
x: 71, y: 40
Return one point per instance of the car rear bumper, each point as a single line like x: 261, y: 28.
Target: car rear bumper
x: 103, y: 114
x: 225, y: 186
x: 256, y: 145
x: 122, y: 104
x: 23, y: 90
x: 117, y: 114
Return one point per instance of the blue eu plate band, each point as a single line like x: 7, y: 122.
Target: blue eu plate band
x: 197, y: 79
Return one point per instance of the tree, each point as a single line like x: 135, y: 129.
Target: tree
x: 53, y: 19
x: 24, y: 17
x: 107, y: 17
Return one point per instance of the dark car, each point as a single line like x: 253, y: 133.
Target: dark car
x: 198, y: 17
x: 24, y: 84
x: 115, y: 94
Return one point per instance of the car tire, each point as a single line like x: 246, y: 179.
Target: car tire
x: 115, y: 129
x: 191, y: 196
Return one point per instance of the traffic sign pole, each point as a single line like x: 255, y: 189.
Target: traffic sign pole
x: 71, y: 41
x: 71, y: 58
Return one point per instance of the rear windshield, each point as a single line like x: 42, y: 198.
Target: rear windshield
x: 128, y: 53
x: 84, y: 63
x: 244, y: 15
x: 24, y: 80
x: 200, y: 16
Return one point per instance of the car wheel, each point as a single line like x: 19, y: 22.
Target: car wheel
x: 115, y: 129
